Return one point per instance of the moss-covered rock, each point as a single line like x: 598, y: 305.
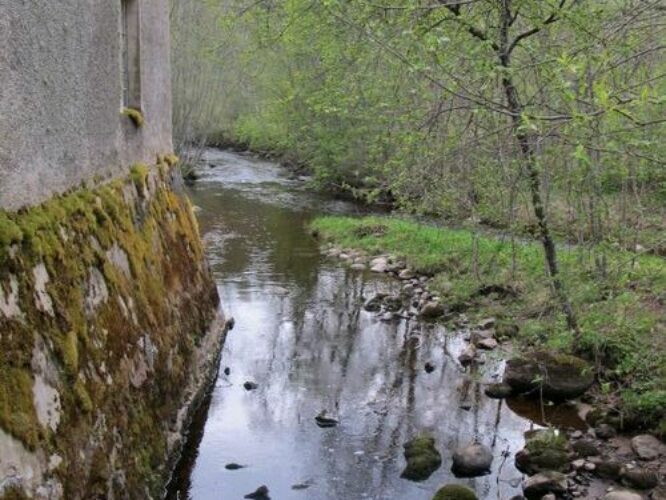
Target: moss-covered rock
x: 544, y: 450
x: 455, y: 492
x: 550, y: 375
x: 422, y: 458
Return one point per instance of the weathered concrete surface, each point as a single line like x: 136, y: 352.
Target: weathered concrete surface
x: 61, y: 95
x: 110, y: 334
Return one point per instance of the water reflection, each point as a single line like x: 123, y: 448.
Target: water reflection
x: 303, y: 337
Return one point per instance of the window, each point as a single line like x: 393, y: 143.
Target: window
x: 130, y: 53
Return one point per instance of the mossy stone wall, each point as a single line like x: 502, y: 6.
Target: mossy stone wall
x: 109, y: 332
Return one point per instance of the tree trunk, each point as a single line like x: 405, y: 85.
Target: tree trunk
x: 527, y: 153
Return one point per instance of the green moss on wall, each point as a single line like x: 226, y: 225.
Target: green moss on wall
x: 17, y: 415
x: 135, y: 115
x: 98, y: 330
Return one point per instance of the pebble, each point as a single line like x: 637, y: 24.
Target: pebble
x: 578, y: 464
x: 487, y: 344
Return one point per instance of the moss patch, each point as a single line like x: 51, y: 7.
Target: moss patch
x: 102, y: 316
x: 422, y: 458
x: 455, y: 492
x: 135, y: 115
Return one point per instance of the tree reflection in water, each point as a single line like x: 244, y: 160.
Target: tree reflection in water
x: 302, y: 335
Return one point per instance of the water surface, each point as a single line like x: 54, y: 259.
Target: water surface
x: 303, y: 337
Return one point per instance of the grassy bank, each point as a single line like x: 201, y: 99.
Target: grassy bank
x: 621, y: 304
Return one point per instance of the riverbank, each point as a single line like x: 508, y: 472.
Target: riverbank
x: 621, y: 314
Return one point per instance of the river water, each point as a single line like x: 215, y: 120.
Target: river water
x: 303, y: 337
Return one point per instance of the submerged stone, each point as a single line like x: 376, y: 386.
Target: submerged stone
x: 472, y: 460
x: 324, y: 420
x: 375, y: 303
x: 260, y: 493
x: 250, y: 386
x: 455, y: 492
x: 234, y: 466
x: 422, y: 458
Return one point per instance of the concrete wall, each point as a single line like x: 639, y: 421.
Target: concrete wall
x: 61, y: 95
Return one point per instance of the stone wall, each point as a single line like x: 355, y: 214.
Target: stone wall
x: 61, y: 95
x: 110, y: 332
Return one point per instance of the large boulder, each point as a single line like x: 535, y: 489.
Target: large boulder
x: 554, y: 376
x: 455, y: 492
x: 422, y: 458
x: 541, y: 484
x: 471, y: 461
x: 648, y: 447
x: 640, y: 479
x: 544, y: 450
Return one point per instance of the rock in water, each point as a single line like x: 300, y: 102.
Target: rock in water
x: 375, y: 303
x: 230, y: 323
x: 300, y: 486
x: 472, y: 461
x: 557, y: 376
x: 393, y: 303
x: 498, y: 391
x: 648, y: 447
x: 544, y: 450
x: 234, y: 466
x: 541, y: 484
x: 422, y: 458
x: 324, y: 420
x: 260, y: 493
x: 455, y: 492
x: 250, y: 386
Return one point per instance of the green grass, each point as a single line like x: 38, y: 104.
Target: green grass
x: 621, y: 311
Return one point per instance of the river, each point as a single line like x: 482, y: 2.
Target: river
x: 303, y: 337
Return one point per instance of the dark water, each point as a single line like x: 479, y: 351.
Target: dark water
x: 302, y: 336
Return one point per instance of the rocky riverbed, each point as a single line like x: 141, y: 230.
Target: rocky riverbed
x: 589, y: 462
x: 346, y: 376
